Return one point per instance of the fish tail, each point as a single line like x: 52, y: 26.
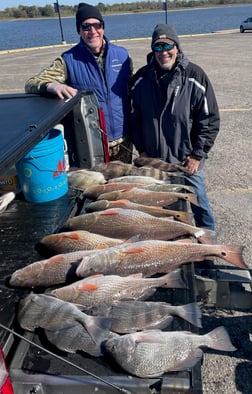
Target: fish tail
x: 219, y: 339
x: 173, y: 279
x: 191, y: 313
x: 205, y: 236
x: 233, y: 254
x: 192, y: 199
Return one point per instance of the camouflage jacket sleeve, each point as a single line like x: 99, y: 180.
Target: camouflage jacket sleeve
x: 57, y: 72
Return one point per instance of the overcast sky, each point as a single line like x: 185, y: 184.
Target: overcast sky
x: 41, y: 3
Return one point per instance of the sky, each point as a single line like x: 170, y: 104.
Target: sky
x: 41, y: 3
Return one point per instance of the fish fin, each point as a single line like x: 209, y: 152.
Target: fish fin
x: 133, y: 250
x: 174, y: 279
x: 55, y: 259
x: 71, y: 235
x: 133, y: 239
x: 205, y: 236
x: 219, y: 339
x: 190, y: 312
x: 233, y: 254
x: 165, y: 323
x: 87, y: 287
x: 120, y: 203
x: 111, y: 211
x: 97, y: 327
x: 189, y: 362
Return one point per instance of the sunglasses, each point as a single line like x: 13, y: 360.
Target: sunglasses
x: 163, y: 47
x: 88, y: 26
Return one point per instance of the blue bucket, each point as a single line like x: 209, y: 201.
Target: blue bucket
x: 41, y: 172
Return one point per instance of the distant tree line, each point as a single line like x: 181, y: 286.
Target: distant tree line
x: 139, y: 6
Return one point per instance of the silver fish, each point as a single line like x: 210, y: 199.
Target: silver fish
x: 131, y: 316
x: 153, y: 256
x: 106, y: 288
x: 137, y: 179
x: 94, y: 191
x: 45, y: 311
x: 151, y: 353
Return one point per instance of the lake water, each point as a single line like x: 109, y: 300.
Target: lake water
x: 17, y: 34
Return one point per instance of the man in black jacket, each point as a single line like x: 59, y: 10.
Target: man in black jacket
x: 174, y: 114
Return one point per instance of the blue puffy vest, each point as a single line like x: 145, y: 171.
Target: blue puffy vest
x: 111, y: 88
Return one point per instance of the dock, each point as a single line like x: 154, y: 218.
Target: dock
x: 226, y: 58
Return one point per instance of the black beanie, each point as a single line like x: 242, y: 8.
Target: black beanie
x: 164, y: 32
x: 86, y: 11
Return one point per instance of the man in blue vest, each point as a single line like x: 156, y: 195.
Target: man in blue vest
x: 98, y: 65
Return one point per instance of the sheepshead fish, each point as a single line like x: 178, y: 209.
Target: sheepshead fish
x: 131, y: 316
x: 125, y: 223
x: 152, y: 256
x: 117, y: 168
x: 57, y: 269
x: 40, y: 310
x: 95, y: 190
x: 72, y: 241
x: 101, y: 205
x: 160, y: 164
x: 151, y: 353
x: 149, y: 197
x: 80, y: 179
x: 106, y: 288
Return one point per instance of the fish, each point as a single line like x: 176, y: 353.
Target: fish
x: 117, y: 168
x: 167, y: 187
x: 44, y: 273
x: 126, y: 223
x: 106, y: 288
x: 151, y: 353
x: 137, y: 179
x: 131, y: 316
x: 101, y: 205
x: 149, y: 197
x: 94, y: 191
x: 160, y: 164
x: 52, y: 314
x: 153, y: 256
x: 81, y: 179
x: 71, y: 241
x: 5, y: 200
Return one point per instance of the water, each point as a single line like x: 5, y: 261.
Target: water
x: 42, y: 32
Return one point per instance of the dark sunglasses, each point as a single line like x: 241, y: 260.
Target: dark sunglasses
x: 88, y: 26
x: 163, y: 47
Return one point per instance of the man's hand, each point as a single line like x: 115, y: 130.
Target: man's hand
x: 191, y: 164
x: 61, y: 90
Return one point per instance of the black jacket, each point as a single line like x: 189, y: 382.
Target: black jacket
x: 176, y: 119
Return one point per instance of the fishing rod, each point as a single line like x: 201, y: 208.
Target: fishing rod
x: 122, y: 390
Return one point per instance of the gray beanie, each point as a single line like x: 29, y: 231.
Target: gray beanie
x: 163, y: 33
x: 86, y: 11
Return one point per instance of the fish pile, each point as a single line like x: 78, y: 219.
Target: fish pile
x: 104, y: 271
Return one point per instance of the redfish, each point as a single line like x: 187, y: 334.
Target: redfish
x: 101, y: 205
x: 106, y: 288
x: 126, y: 223
x: 71, y: 241
x: 151, y: 353
x: 152, y: 256
x: 95, y: 190
x: 57, y: 269
x: 149, y: 197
